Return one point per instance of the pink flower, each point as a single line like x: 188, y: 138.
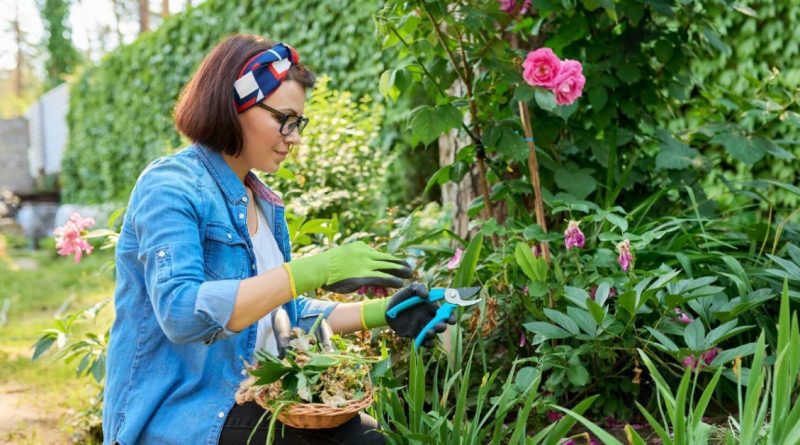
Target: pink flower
x: 522, y: 339
x: 573, y: 237
x: 705, y: 358
x: 553, y: 416
x: 625, y: 259
x: 456, y: 259
x: 542, y: 68
x: 568, y: 85
x: 70, y: 237
x: 710, y: 355
x: 509, y: 6
x: 373, y: 291
x: 683, y: 317
x: 536, y: 250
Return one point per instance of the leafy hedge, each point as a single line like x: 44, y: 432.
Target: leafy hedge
x: 121, y: 110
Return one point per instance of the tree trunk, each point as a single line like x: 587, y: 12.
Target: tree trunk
x: 20, y: 54
x: 456, y: 197
x: 164, y: 9
x: 144, y: 16
x: 117, y: 20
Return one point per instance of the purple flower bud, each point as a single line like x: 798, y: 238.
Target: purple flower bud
x: 573, y: 237
x: 683, y: 317
x: 625, y: 260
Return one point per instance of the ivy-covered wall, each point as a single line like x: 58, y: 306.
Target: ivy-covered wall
x: 121, y: 110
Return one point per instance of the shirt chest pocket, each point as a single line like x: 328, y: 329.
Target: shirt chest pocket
x: 225, y: 253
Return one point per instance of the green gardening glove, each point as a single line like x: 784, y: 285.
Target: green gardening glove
x: 345, y: 269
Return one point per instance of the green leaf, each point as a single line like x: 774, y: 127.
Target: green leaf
x: 429, y: 123
x: 665, y: 341
x: 562, y: 320
x: 715, y: 41
x: 387, y: 87
x: 525, y: 377
x: 673, y: 154
x: 596, y: 310
x: 695, y: 335
x: 269, y: 372
x: 534, y: 268
x: 546, y: 330
x: 583, y: 319
x: 545, y: 99
x: 740, y: 147
x: 578, y: 182
x: 465, y: 275
x: 578, y: 375
x: 576, y: 295
x: 598, y: 97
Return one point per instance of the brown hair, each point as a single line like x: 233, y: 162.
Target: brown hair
x: 205, y: 111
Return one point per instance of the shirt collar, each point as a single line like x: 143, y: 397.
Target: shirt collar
x: 230, y: 184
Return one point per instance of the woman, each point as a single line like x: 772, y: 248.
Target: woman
x: 203, y: 260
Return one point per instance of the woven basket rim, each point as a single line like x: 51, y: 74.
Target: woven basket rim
x: 317, y: 409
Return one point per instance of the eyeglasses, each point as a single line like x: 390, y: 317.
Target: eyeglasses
x: 288, y: 121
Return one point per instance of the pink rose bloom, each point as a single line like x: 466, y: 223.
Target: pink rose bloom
x: 705, y: 358
x: 625, y: 259
x: 536, y: 250
x: 542, y: 68
x: 573, y: 237
x: 568, y: 85
x: 683, y: 317
x: 522, y: 340
x: 70, y: 237
x: 456, y: 259
x: 508, y: 6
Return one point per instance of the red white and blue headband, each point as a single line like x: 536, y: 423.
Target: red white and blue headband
x: 262, y: 75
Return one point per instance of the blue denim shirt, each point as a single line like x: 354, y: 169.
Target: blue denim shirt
x: 173, y: 368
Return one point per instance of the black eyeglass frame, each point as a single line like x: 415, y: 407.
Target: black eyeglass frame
x: 302, y: 121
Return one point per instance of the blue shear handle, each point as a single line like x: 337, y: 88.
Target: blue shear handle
x: 394, y: 311
x: 442, y: 315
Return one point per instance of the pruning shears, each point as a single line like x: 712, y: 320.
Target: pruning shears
x: 453, y: 297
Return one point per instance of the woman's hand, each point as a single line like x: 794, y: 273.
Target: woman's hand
x: 346, y: 268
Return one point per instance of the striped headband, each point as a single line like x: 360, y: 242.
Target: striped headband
x: 262, y: 75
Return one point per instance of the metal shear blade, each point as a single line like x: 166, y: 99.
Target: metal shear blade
x: 456, y: 295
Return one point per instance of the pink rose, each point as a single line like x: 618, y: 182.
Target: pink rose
x: 568, y: 84
x: 573, y: 237
x: 70, y: 237
x: 456, y: 259
x: 536, y: 250
x: 542, y: 68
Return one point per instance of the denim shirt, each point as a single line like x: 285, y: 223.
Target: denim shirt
x: 173, y: 368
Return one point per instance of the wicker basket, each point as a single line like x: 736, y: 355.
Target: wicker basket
x: 316, y: 415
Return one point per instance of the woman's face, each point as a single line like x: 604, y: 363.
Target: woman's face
x: 264, y: 145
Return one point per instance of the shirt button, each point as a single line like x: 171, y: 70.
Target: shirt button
x: 162, y: 254
x: 253, y: 266
x: 241, y: 216
x: 221, y: 414
x: 230, y: 236
x: 244, y: 199
x: 244, y: 372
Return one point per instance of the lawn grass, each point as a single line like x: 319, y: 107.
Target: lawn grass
x: 39, y: 286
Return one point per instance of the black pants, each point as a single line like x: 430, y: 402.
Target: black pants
x: 360, y: 430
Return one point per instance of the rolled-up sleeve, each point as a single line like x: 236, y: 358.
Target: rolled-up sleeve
x: 166, y: 210
x: 310, y: 308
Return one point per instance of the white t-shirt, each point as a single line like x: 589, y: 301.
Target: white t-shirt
x: 268, y: 256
